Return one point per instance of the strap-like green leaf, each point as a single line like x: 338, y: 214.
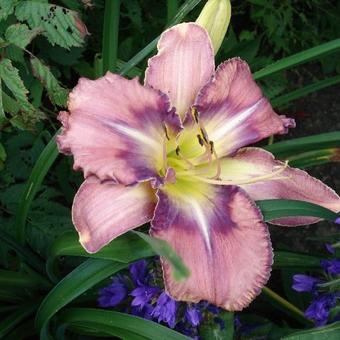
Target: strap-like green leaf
x: 298, y: 58
x: 292, y: 147
x: 286, y: 259
x: 60, y: 25
x: 315, y: 157
x: 73, y: 285
x: 17, y: 279
x: 109, y: 321
x: 40, y: 169
x: 9, y: 322
x: 285, y: 306
x: 126, y: 248
x: 274, y: 209
x: 330, y: 332
x: 30, y: 257
x: 304, y: 91
x: 162, y: 248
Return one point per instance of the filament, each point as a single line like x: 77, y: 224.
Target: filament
x: 249, y: 181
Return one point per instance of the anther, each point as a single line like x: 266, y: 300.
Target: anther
x: 200, y: 140
x: 194, y: 114
x: 166, y: 132
x: 179, y: 154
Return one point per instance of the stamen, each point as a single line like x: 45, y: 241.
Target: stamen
x: 165, y: 158
x: 181, y: 156
x: 218, y: 162
x: 200, y: 140
x: 203, y: 140
x: 166, y: 132
x: 252, y: 180
x: 194, y: 114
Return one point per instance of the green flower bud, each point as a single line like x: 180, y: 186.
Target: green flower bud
x: 215, y: 18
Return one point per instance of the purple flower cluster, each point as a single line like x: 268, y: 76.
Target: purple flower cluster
x: 323, y: 300
x: 138, y: 294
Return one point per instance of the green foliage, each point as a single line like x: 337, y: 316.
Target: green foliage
x: 273, y: 209
x: 10, y: 77
x: 20, y: 35
x: 330, y: 332
x: 6, y: 8
x: 92, y: 321
x: 60, y: 25
x: 84, y: 277
x: 58, y: 94
x: 162, y: 248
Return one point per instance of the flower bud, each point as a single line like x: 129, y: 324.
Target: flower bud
x: 215, y: 18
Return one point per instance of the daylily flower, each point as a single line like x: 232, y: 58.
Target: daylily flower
x: 172, y: 152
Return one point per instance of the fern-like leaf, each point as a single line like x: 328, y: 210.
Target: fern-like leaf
x: 6, y: 8
x: 61, y: 26
x: 57, y: 93
x: 20, y: 35
x: 11, y: 78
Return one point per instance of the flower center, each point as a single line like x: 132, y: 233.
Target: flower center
x: 193, y: 157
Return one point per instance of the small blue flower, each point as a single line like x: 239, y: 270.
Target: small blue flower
x: 319, y: 309
x: 213, y: 309
x: 143, y: 294
x: 193, y: 315
x: 330, y: 248
x: 331, y: 266
x: 337, y: 221
x: 165, y: 310
x: 304, y: 283
x: 138, y: 272
x: 145, y: 312
x: 112, y: 295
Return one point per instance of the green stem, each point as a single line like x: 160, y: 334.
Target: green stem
x: 171, y: 6
x: 332, y: 283
x: 110, y: 35
x: 285, y: 305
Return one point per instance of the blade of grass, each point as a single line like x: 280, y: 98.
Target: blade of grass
x: 316, y: 157
x: 274, y: 209
x: 304, y: 91
x: 298, y: 58
x: 329, y: 332
x: 8, y: 323
x: 109, y: 321
x: 292, y: 147
x: 286, y: 259
x: 30, y: 257
x: 40, y: 169
x: 85, y: 276
x: 163, y: 248
x: 188, y: 6
x: 285, y: 306
x: 110, y: 35
x: 171, y: 10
